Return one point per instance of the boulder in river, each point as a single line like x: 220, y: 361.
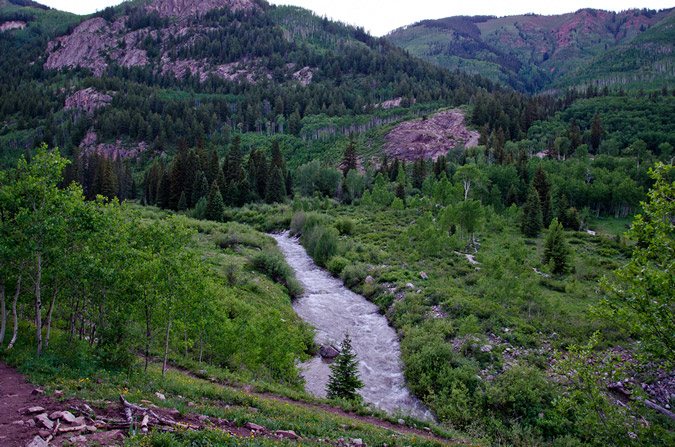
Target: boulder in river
x: 329, y: 352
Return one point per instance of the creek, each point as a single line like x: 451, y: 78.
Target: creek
x: 334, y: 310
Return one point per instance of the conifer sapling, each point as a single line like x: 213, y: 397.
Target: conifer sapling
x: 344, y: 381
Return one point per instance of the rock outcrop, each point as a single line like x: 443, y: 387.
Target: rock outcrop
x: 87, y: 100
x: 111, y: 151
x: 429, y: 138
x: 186, y: 8
x: 96, y: 43
x: 14, y: 24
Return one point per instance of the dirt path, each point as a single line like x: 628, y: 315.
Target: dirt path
x: 398, y: 428
x: 17, y: 428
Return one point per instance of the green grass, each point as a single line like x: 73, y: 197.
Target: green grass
x: 70, y: 368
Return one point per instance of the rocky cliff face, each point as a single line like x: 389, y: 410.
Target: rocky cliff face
x: 96, y: 43
x: 93, y: 40
x: 87, y: 100
x: 186, y: 8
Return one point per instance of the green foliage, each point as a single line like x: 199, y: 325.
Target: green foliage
x: 641, y: 293
x: 344, y: 226
x: 344, y: 381
x: 321, y: 243
x: 556, y: 252
x: 272, y: 263
x: 532, y: 220
x: 337, y: 264
x: 214, y: 204
x: 597, y: 419
x: 353, y: 274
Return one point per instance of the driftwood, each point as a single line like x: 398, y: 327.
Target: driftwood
x: 54, y: 432
x: 144, y: 423
x: 157, y: 420
x: 69, y: 429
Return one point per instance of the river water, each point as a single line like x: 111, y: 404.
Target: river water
x: 335, y: 310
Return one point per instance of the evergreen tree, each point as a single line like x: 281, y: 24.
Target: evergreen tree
x: 349, y: 158
x: 597, y: 131
x: 192, y: 166
x: 532, y: 221
x: 261, y: 172
x: 232, y: 167
x: 541, y: 184
x: 108, y: 181
x: 200, y: 188
x: 276, y: 188
x: 163, y: 191
x: 511, y: 195
x: 344, y: 381
x: 400, y: 192
x: 213, y: 167
x: 214, y: 204
x: 182, y: 202
x: 556, y: 252
x: 419, y: 173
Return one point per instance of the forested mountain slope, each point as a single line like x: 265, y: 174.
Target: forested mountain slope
x: 131, y: 80
x: 532, y: 52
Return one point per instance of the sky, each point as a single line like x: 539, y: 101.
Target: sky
x: 379, y: 17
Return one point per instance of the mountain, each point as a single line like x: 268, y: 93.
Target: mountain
x: 134, y: 79
x: 533, y: 52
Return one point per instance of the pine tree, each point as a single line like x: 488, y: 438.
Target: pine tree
x: 200, y: 188
x: 182, y: 202
x: 532, y: 221
x: 541, y: 184
x: 597, y: 131
x: 419, y: 173
x: 349, y: 158
x: 213, y: 167
x: 556, y: 252
x: 344, y: 381
x: 214, y: 204
x: 276, y: 188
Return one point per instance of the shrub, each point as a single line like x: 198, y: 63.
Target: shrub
x: 298, y: 222
x: 354, y: 274
x: 344, y: 226
x: 272, y: 263
x: 321, y: 244
x: 337, y: 264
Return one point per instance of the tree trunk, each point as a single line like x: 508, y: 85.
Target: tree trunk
x: 49, y: 314
x: 3, y: 312
x: 14, y: 314
x: 166, y: 346
x: 201, y: 346
x: 38, y: 304
x: 148, y: 334
x: 185, y: 340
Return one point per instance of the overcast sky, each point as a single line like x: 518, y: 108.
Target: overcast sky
x: 380, y: 17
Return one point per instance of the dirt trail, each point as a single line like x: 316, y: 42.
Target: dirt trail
x: 17, y: 427
x: 401, y: 429
x: 16, y: 396
x: 431, y: 137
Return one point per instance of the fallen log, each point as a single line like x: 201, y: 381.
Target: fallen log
x: 144, y: 423
x: 54, y: 432
x: 69, y: 429
x: 660, y: 409
x: 169, y: 422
